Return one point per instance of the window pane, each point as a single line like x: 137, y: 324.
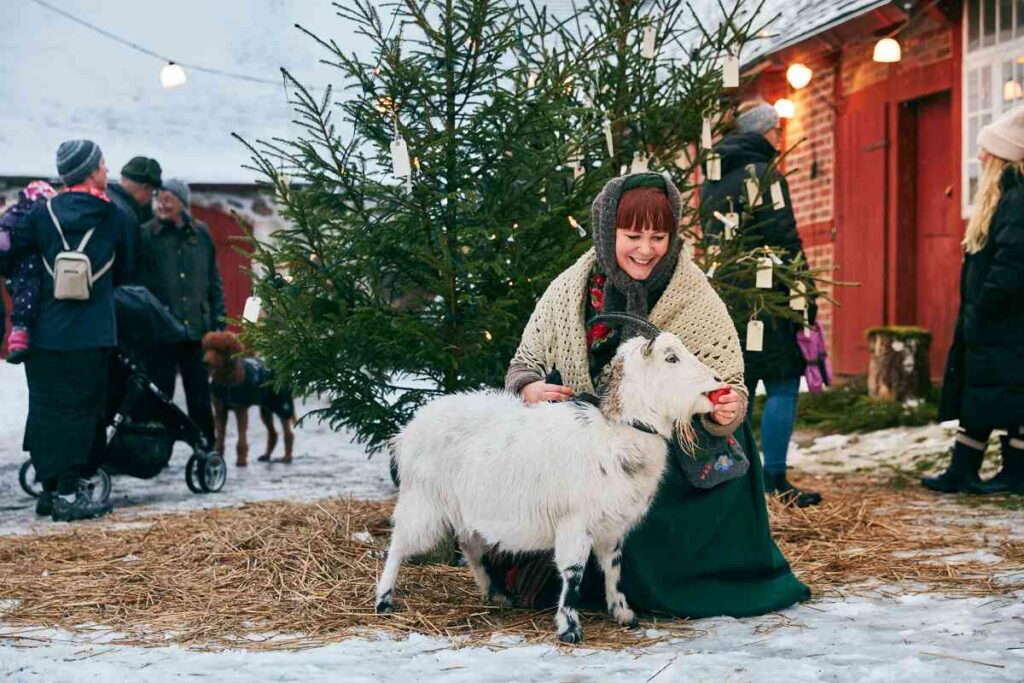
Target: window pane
x: 1020, y: 17
x: 972, y: 137
x: 986, y: 119
x: 973, y: 23
x: 1007, y: 93
x: 972, y: 182
x: 1005, y: 19
x: 972, y: 91
x: 988, y: 23
x: 985, y: 87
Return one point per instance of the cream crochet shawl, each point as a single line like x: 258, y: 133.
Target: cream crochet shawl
x: 555, y: 336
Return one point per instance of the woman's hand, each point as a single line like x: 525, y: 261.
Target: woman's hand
x: 725, y: 410
x: 539, y: 391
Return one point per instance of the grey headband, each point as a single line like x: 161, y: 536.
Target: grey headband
x: 760, y: 119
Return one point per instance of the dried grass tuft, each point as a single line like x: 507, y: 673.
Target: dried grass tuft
x: 229, y: 577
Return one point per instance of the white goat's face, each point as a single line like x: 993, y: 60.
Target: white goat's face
x: 662, y: 378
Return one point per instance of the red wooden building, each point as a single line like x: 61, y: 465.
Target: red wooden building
x: 882, y: 180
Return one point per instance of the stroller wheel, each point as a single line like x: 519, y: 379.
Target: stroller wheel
x: 27, y: 479
x: 191, y: 473
x: 213, y: 472
x: 98, y: 486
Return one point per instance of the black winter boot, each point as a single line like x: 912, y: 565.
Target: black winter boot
x: 44, y: 504
x: 962, y: 474
x: 82, y: 507
x: 778, y: 485
x: 1011, y: 477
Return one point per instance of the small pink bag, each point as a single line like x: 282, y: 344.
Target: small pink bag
x: 818, y: 372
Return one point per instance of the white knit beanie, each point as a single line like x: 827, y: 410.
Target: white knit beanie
x: 1004, y: 137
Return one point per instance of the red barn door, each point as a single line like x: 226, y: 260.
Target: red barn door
x: 860, y: 227
x: 938, y: 226
x: 232, y: 265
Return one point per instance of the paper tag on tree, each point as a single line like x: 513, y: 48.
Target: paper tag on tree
x: 798, y: 297
x: 712, y: 269
x: 609, y: 140
x: 730, y: 71
x: 755, y: 335
x: 753, y: 192
x: 764, y: 273
x: 705, y: 134
x: 732, y: 225
x: 778, y: 200
x: 640, y: 161
x: 647, y: 45
x: 251, y: 312
x: 400, y: 158
x: 773, y: 256
x: 714, y: 166
x: 531, y: 79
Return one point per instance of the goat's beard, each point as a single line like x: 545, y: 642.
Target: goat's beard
x: 685, y: 434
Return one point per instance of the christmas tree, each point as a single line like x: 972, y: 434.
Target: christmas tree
x: 481, y: 131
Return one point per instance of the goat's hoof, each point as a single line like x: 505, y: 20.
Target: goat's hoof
x: 573, y: 634
x: 625, y: 617
x: 241, y: 463
x: 264, y: 458
x: 501, y: 599
x: 384, y: 607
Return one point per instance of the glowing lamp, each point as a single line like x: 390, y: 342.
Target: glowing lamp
x: 798, y: 75
x: 785, y: 108
x: 887, y: 51
x: 172, y: 75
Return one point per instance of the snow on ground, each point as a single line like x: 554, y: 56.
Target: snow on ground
x: 906, y: 637
x: 912, y: 638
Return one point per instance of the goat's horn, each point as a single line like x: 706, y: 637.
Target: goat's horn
x: 644, y: 326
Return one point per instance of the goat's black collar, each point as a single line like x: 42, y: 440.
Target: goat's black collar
x: 586, y: 398
x: 642, y: 426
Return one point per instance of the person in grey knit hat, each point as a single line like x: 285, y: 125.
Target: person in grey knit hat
x: 759, y: 119
x: 77, y: 160
x: 178, y: 264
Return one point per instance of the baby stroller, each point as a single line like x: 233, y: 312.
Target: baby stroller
x: 142, y: 423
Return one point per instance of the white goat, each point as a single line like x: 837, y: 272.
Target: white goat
x: 571, y: 476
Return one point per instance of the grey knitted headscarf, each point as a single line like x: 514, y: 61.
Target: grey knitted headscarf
x: 621, y: 292
x: 760, y: 119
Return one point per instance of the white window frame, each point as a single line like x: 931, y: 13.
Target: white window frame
x: 994, y: 57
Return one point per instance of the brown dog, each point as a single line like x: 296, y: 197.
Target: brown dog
x: 236, y: 384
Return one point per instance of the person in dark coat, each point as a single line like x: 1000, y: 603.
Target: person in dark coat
x: 71, y: 340
x: 780, y: 365
x: 179, y: 266
x: 140, y: 179
x: 984, y: 379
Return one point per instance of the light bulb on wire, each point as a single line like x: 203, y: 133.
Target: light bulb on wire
x: 172, y: 75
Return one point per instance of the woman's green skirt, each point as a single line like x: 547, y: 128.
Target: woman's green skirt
x: 708, y: 552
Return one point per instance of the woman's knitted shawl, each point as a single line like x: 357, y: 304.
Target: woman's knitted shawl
x: 555, y: 337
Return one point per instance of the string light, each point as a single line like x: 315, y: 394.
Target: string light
x: 179, y: 73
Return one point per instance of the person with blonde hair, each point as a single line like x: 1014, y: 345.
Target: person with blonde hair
x: 984, y: 380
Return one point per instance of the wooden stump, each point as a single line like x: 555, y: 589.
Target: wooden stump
x: 899, y: 366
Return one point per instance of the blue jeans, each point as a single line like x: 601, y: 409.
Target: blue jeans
x: 777, y: 421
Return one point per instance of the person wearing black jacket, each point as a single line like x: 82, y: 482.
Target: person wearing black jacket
x: 780, y: 364
x: 984, y: 379
x: 179, y: 266
x: 140, y: 179
x: 71, y: 340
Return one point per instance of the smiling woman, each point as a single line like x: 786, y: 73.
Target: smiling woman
x: 704, y: 547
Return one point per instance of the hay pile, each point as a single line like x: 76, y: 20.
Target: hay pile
x: 227, y: 577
